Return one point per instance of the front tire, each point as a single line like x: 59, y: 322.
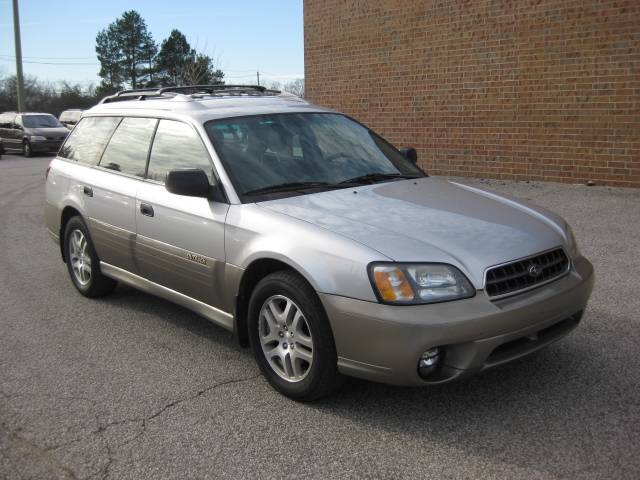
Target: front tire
x: 291, y: 337
x: 83, y: 262
x: 27, y: 151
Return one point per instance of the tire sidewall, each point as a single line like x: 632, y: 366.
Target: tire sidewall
x: 26, y: 149
x: 316, y: 320
x: 76, y: 223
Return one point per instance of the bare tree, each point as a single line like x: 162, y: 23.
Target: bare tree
x: 200, y: 69
x: 273, y: 85
x: 296, y: 87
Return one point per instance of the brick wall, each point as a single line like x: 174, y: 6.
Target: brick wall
x: 530, y: 89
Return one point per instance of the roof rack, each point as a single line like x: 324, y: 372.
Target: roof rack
x: 193, y: 90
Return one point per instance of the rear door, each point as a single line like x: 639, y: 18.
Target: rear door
x: 112, y: 191
x: 180, y: 239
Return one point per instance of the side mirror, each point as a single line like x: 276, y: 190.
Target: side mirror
x: 410, y: 154
x: 191, y: 182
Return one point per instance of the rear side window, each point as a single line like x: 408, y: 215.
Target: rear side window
x: 86, y: 143
x: 129, y: 146
x: 177, y: 145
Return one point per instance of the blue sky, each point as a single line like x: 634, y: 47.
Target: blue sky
x: 244, y: 36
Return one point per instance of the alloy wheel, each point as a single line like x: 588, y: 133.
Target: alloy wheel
x: 79, y: 257
x: 285, y: 338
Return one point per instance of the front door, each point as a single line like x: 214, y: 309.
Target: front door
x: 180, y: 239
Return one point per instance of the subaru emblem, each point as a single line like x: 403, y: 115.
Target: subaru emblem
x: 535, y: 270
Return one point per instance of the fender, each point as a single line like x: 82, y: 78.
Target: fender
x: 330, y: 262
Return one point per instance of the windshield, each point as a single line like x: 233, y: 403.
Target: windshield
x: 263, y: 152
x: 40, y: 121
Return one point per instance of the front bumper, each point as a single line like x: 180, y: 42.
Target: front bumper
x: 46, y: 145
x: 384, y: 342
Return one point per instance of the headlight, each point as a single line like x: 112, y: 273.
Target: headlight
x: 37, y: 138
x: 418, y: 283
x: 572, y: 245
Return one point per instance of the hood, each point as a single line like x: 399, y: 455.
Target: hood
x: 431, y: 220
x: 57, y: 132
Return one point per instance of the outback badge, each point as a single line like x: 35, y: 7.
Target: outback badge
x: 196, y: 258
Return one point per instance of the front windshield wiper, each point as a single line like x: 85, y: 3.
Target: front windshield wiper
x: 375, y: 177
x: 296, y: 186
x: 286, y: 187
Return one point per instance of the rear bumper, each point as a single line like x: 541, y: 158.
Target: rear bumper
x: 384, y: 343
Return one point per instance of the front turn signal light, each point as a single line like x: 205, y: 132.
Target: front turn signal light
x: 392, y: 284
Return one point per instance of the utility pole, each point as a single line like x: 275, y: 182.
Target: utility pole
x: 19, y: 79
x: 257, y: 72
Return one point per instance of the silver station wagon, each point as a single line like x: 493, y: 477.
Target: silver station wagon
x: 310, y: 237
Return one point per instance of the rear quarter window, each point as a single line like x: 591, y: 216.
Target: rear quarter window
x: 87, y: 141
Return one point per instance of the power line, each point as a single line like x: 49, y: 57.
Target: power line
x: 49, y: 63
x: 49, y: 58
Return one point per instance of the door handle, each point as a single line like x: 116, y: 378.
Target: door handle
x: 146, y: 209
x: 88, y: 191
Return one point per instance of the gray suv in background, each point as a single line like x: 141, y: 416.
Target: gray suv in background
x: 70, y: 117
x: 31, y: 133
x: 310, y: 237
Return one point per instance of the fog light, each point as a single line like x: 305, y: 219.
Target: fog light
x: 429, y: 362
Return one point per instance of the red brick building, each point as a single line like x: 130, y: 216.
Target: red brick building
x: 529, y: 89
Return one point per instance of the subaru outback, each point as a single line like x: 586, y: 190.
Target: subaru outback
x: 315, y: 241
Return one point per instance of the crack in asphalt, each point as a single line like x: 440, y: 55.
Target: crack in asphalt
x: 172, y: 404
x: 103, y: 428
x: 104, y: 471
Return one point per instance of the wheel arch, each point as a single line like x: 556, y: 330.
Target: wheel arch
x: 255, y: 271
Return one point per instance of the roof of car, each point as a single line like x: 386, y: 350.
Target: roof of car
x: 208, y: 107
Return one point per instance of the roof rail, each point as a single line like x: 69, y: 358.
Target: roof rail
x: 213, y: 88
x: 144, y: 93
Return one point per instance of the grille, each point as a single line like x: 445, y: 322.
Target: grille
x: 526, y: 273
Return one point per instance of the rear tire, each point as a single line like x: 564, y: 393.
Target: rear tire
x: 26, y: 149
x: 83, y: 262
x: 291, y: 337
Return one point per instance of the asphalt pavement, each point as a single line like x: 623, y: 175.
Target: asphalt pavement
x: 134, y: 387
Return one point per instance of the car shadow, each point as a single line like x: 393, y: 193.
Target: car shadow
x: 137, y: 301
